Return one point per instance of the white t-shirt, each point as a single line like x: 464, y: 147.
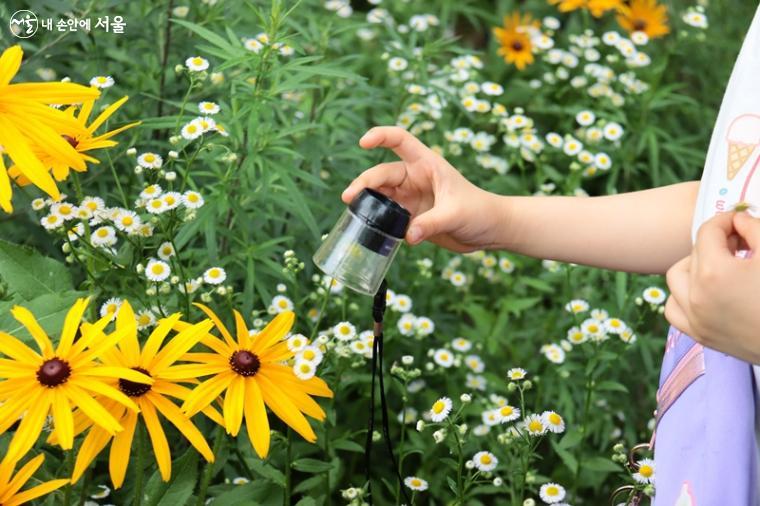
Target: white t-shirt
x: 732, y: 168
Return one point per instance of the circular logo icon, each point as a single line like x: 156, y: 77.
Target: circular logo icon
x: 23, y: 24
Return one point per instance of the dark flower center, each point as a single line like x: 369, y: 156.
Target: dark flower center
x: 70, y: 140
x: 517, y: 45
x: 53, y: 372
x: 132, y: 388
x: 245, y: 363
x: 640, y: 25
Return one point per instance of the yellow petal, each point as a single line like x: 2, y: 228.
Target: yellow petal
x: 12, y: 409
x: 157, y: 438
x: 30, y: 428
x: 187, y: 371
x: 27, y: 162
x: 103, y: 389
x: 35, y: 492
x: 70, y: 326
x: 281, y: 374
x: 50, y: 142
x: 63, y: 420
x: 273, y: 332
x: 107, y: 112
x: 218, y: 323
x: 206, y: 393
x: 120, y: 450
x: 129, y: 345
x: 92, y: 408
x: 172, y: 413
x: 10, y: 62
x: 179, y: 345
x: 156, y: 338
x: 17, y: 350
x: 27, y: 319
x: 51, y: 93
x: 21, y: 477
x: 6, y: 193
x: 281, y: 405
x: 244, y: 339
x: 233, y: 405
x: 256, y: 421
x: 93, y: 444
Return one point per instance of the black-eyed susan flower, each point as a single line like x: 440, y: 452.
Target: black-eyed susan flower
x: 515, y: 41
x: 155, y: 360
x: 251, y: 373
x: 10, y: 485
x: 57, y: 380
x: 28, y: 125
x: 646, y: 16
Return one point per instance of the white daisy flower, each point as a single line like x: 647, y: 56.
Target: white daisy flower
x: 585, y: 118
x: 310, y: 354
x: 102, y: 82
x: 150, y: 161
x: 654, y: 295
x: 444, y: 358
x: 406, y: 324
x: 127, y: 221
x: 281, y: 303
x: 602, y: 161
x: 491, y: 417
x: 613, y: 131
x: 572, y: 146
x: 535, y: 425
x: 475, y: 382
x: 172, y: 200
x: 402, y: 303
x: 695, y: 19
x: 415, y: 483
x: 516, y: 374
x: 424, y: 325
x: 554, y: 139
x: 491, y: 88
x: 344, y: 331
x: 554, y: 353
x: 553, y: 421
x: 576, y: 336
x: 208, y: 107
x: 157, y: 270
x: 506, y: 265
x: 599, y: 314
x: 475, y: 363
x: 51, y: 221
x: 614, y: 325
x: 111, y: 307
x: 191, y: 130
x: 485, y: 461
x: 508, y: 413
x: 150, y: 192
x: 576, y: 306
x: 361, y: 348
x: 206, y: 123
x: 304, y: 369
x: 192, y: 200
x: 646, y: 471
x: 196, y: 64
x: 440, y: 409
x: 551, y: 493
x: 397, y: 64
x: 481, y: 430
x: 166, y: 251
x: 461, y: 344
x: 104, y: 236
x: 38, y: 204
x: 253, y: 45
x: 297, y: 342
x: 156, y: 206
x: 458, y: 278
x: 214, y: 276
x: 592, y: 326
x: 64, y: 210
x: 145, y: 319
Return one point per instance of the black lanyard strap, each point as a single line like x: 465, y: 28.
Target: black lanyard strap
x: 378, y: 312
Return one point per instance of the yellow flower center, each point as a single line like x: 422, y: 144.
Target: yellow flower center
x: 305, y: 368
x: 552, y: 491
x: 309, y: 354
x: 507, y: 411
x: 536, y: 426
x: 214, y: 273
x: 127, y: 221
x: 438, y: 407
x: 555, y: 419
x: 157, y: 269
x: 646, y: 471
x: 102, y: 232
x: 415, y: 482
x: 149, y: 158
x: 485, y: 459
x: 197, y: 61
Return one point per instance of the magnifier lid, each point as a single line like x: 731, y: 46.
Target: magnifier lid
x: 381, y: 212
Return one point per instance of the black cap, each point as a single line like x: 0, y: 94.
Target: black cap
x: 380, y: 212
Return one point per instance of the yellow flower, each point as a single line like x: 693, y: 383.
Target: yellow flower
x: 251, y: 373
x: 156, y: 362
x: 596, y: 7
x: 28, y: 123
x: 514, y: 39
x: 10, y: 485
x: 82, y: 141
x: 645, y: 16
x: 55, y: 381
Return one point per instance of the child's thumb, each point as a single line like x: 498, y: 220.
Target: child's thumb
x: 426, y: 225
x: 749, y: 228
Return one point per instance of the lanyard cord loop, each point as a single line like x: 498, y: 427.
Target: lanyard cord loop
x: 378, y: 312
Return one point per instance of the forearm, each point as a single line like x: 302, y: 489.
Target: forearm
x: 645, y: 231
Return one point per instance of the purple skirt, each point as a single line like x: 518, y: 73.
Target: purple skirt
x: 705, y: 449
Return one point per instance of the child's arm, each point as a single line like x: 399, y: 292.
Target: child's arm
x: 644, y: 231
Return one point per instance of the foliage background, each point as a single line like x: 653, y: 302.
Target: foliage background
x: 294, y: 157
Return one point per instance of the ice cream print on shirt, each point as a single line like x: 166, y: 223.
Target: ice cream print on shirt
x: 743, y: 156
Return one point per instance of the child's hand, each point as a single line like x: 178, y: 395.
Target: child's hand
x: 446, y: 208
x: 715, y: 296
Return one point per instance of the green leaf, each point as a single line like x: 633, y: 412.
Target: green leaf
x: 261, y: 493
x: 621, y: 288
x: 567, y: 458
x: 612, y: 386
x: 311, y: 466
x: 29, y: 274
x: 49, y: 310
x: 180, y: 488
x: 267, y: 471
x: 347, y: 445
x: 601, y: 464
x: 306, y: 501
x: 570, y: 439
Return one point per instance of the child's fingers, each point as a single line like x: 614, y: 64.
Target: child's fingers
x: 748, y: 228
x: 404, y: 144
x: 677, y: 317
x: 389, y: 175
x: 430, y: 223
x: 712, y: 240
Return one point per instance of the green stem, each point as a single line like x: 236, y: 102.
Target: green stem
x: 69, y: 488
x: 209, y: 471
x: 460, y: 462
x: 140, y: 464
x: 289, y: 469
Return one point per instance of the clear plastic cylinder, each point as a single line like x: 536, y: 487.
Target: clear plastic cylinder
x: 356, y: 253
